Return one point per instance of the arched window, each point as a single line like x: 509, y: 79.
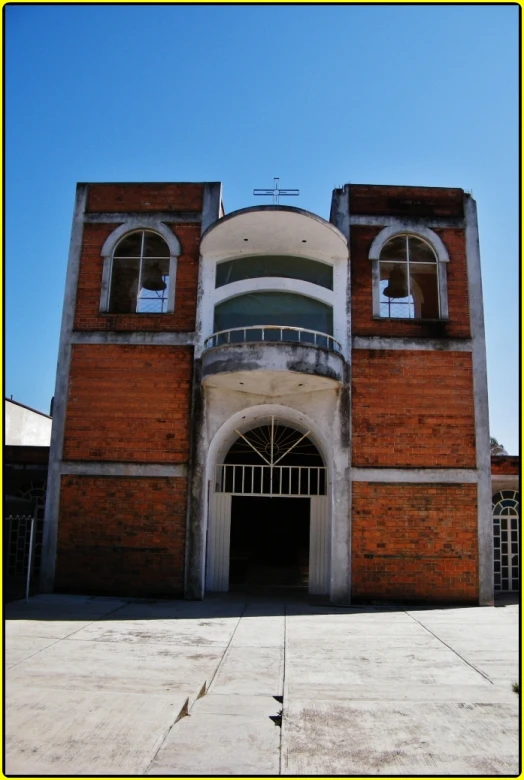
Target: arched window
x: 140, y: 260
x: 409, y: 274
x: 140, y: 274
x: 506, y: 532
x: 408, y: 279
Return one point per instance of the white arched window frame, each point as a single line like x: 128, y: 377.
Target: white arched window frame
x: 132, y: 226
x: 406, y: 229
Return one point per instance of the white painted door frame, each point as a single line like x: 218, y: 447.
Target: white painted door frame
x: 218, y: 542
x: 219, y: 538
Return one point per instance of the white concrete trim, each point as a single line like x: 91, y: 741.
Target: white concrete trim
x: 339, y: 214
x: 255, y: 416
x: 375, y: 287
x: 143, y: 337
x: 294, y: 219
x: 110, y: 469
x: 115, y: 217
x: 504, y: 482
x: 426, y: 345
x: 49, y: 541
x: 272, y: 283
x: 405, y: 226
x: 442, y: 273
x: 480, y: 399
x: 392, y: 475
x: 341, y: 523
x: 146, y: 222
x: 412, y: 223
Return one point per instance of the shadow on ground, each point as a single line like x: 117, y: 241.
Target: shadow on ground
x: 261, y: 602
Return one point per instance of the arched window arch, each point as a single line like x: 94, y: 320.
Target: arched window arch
x: 139, y: 270
x: 409, y: 274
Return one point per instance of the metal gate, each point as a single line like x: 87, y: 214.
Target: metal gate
x: 19, y: 543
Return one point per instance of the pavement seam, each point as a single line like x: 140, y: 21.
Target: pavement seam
x: 283, y: 692
x: 451, y: 648
x: 171, y: 727
x: 61, y: 639
x: 226, y: 651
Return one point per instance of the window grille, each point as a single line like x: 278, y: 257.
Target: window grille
x: 506, y: 540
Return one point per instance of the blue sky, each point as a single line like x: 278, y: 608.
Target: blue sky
x: 318, y: 95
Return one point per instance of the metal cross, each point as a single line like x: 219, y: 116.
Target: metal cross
x: 276, y: 192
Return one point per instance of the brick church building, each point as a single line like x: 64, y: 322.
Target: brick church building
x: 267, y: 398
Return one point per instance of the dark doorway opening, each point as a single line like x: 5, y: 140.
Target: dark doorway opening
x: 269, y: 542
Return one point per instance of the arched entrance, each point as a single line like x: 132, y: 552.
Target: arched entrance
x: 506, y: 540
x: 269, y: 512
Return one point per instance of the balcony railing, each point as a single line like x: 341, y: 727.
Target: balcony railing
x: 272, y: 333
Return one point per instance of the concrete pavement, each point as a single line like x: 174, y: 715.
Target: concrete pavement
x: 236, y: 685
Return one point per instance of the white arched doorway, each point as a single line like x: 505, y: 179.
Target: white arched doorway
x: 269, y: 506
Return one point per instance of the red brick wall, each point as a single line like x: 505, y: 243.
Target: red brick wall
x: 412, y: 408
x: 87, y: 312
x: 362, y: 321
x: 180, y: 196
x: 128, y: 403
x: 505, y: 464
x: 406, y: 201
x: 121, y: 535
x: 414, y: 542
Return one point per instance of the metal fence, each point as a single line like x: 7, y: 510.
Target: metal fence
x: 19, y: 545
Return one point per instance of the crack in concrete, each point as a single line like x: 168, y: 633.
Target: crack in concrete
x: 450, y: 648
x: 198, y: 696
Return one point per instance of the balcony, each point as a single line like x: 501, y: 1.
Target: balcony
x: 272, y: 360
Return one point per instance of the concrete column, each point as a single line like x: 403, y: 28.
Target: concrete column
x: 340, y: 586
x: 52, y: 506
x: 197, y: 494
x: 211, y: 204
x: 480, y: 394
